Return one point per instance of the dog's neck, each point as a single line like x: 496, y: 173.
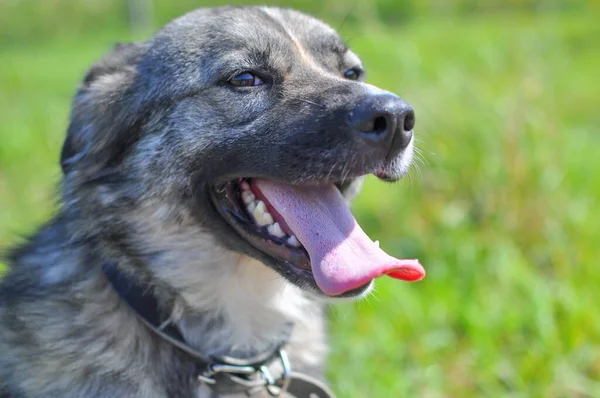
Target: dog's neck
x: 246, y: 308
x: 233, y: 304
x: 168, y: 315
x: 223, y: 300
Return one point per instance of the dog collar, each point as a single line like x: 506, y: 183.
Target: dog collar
x: 222, y: 374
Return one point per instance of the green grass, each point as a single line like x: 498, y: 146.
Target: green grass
x: 503, y: 211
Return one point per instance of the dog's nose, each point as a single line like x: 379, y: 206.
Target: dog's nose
x: 383, y: 121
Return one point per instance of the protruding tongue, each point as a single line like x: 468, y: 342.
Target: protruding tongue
x: 342, y: 256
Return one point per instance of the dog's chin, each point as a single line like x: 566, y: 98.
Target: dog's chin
x: 304, y: 280
x: 394, y: 169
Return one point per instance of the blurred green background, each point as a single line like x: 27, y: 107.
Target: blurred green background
x: 501, y: 207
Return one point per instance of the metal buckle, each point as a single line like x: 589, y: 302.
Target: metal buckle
x: 214, y: 369
x: 206, y: 379
x: 275, y: 387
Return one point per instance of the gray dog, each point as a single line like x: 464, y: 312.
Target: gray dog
x: 204, y: 216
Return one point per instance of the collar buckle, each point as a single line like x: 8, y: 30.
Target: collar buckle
x: 250, y: 377
x: 220, y: 368
x: 280, y: 386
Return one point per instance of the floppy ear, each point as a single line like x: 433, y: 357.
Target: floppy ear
x: 105, y: 112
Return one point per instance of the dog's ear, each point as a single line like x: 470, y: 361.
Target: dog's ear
x: 105, y: 112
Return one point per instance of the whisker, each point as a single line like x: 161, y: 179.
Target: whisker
x: 418, y: 155
x: 421, y: 159
x: 419, y: 171
x: 312, y: 103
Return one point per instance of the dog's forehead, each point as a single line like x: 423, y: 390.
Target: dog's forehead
x: 274, y: 31
x: 303, y: 29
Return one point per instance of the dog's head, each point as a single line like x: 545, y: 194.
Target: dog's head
x: 249, y: 125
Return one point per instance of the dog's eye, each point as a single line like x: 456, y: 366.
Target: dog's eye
x: 352, y: 74
x: 245, y: 79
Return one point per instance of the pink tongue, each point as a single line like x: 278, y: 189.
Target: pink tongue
x: 342, y: 256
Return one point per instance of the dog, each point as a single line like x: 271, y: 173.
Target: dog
x: 204, y: 218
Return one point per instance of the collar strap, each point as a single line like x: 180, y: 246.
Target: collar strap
x: 211, y: 369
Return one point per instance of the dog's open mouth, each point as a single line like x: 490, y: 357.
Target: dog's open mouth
x: 311, y: 228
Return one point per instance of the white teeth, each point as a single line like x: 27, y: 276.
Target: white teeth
x: 276, y: 230
x: 267, y: 219
x: 260, y: 206
x: 261, y: 215
x: 251, y: 206
x: 376, y: 243
x: 292, y: 241
x: 248, y: 197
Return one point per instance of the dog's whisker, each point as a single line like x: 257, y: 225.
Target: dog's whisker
x: 419, y: 172
x: 373, y: 294
x: 418, y: 156
x: 312, y: 103
x: 419, y: 159
x: 332, y: 169
x: 409, y: 178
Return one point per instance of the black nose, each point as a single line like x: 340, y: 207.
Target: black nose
x: 383, y: 121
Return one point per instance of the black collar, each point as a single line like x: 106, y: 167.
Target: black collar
x: 223, y: 374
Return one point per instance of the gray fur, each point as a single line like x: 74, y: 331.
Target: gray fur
x: 152, y: 125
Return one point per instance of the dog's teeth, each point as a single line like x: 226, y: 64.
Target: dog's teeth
x: 248, y: 197
x: 292, y: 241
x: 266, y: 219
x: 376, y: 243
x: 245, y: 186
x: 261, y: 215
x: 260, y: 206
x: 276, y: 230
x: 251, y: 206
